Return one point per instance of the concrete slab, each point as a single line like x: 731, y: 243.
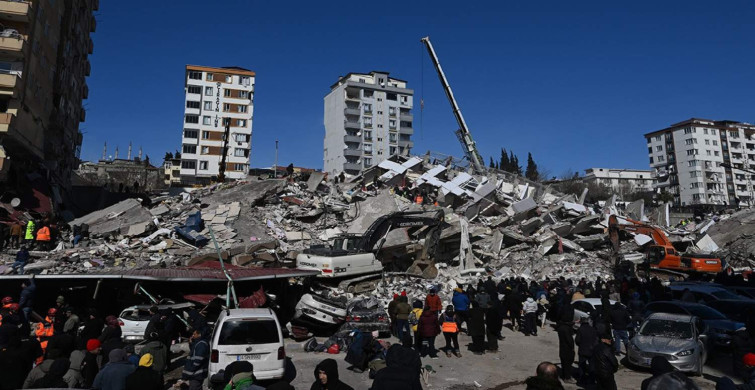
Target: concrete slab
x: 159, y: 210
x: 297, y: 236
x: 112, y: 219
x: 138, y: 229
x: 315, y: 178
x: 524, y: 205
x: 707, y: 244
x: 641, y: 239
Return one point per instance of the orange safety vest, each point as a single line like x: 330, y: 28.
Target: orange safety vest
x: 43, y: 234
x: 449, y: 327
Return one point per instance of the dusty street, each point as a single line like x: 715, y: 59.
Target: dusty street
x: 516, y: 360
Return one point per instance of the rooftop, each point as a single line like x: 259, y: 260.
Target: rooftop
x: 226, y: 69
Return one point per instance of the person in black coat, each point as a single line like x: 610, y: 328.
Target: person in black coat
x: 402, y: 370
x: 14, y: 365
x: 605, y: 364
x: 93, y: 326
x: 565, y: 331
x: 514, y: 299
x: 144, y: 377
x: 476, y: 328
x: 665, y: 377
x: 493, y: 325
x: 326, y: 377
x: 586, y: 340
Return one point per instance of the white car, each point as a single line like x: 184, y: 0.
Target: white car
x: 585, y: 307
x: 248, y: 334
x: 134, y: 319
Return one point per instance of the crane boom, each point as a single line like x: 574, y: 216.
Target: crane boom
x: 465, y: 137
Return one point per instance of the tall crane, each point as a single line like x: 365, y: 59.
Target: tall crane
x: 465, y: 137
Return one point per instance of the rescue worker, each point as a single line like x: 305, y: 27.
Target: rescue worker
x: 45, y: 329
x: 43, y: 238
x: 5, y: 310
x: 433, y: 301
x: 449, y: 325
x: 31, y: 228
x: 414, y: 321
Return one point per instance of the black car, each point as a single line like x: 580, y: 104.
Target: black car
x: 734, y: 309
x: 719, y: 328
x: 743, y: 291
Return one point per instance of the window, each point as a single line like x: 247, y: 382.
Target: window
x: 190, y: 133
x: 695, y: 196
x: 689, y: 130
x: 368, y: 135
x: 226, y: 122
x: 392, y: 123
x: 650, y: 149
x: 203, y: 165
x: 239, y: 167
x: 192, y: 104
x: 245, y: 80
x: 241, y: 137
x: 379, y: 139
x: 205, y: 135
x: 205, y: 150
x: 209, y: 76
x: 241, y: 122
x: 367, y: 162
x: 208, y: 91
x: 715, y: 142
x: 694, y: 174
x: 189, y: 149
x: 188, y: 164
x: 367, y: 148
x: 657, y: 137
x: 392, y: 138
x: 228, y: 79
x: 206, y: 120
x: 708, y: 152
x: 195, y: 75
x: 367, y: 108
x: 368, y: 94
x: 707, y: 142
x: 694, y: 185
x: 705, y: 131
x: 367, y: 121
x: 691, y: 152
x: 240, y: 332
x: 651, y: 160
x: 243, y: 94
x: 404, y: 99
x: 194, y: 89
x: 690, y: 141
x: 208, y: 106
x: 227, y: 92
x: 716, y: 153
x: 713, y: 131
x: 240, y: 152
x: 226, y: 107
x: 392, y: 111
x: 242, y: 108
x: 660, y: 158
x: 391, y: 96
x: 380, y: 126
x: 192, y: 119
x: 380, y: 113
x: 659, y: 148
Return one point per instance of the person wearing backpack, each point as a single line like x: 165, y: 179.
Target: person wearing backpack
x: 428, y: 328
x: 413, y: 321
x: 449, y: 324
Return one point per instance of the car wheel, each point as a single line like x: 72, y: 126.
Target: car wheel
x: 699, y: 368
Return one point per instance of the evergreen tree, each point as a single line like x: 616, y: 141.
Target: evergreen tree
x: 504, y: 164
x: 531, y: 171
x: 492, y: 164
x: 496, y: 165
x: 515, y: 167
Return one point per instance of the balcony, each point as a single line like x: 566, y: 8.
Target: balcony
x: 351, y: 125
x: 5, y: 122
x: 15, y: 11
x: 406, y: 130
x: 352, y: 138
x: 9, y: 79
x: 406, y: 117
x: 352, y: 152
x: 405, y: 143
x: 12, y: 46
x: 351, y: 111
x: 352, y: 167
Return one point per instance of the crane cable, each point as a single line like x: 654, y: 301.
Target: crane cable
x: 421, y: 92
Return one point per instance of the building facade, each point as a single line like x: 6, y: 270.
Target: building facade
x: 633, y: 180
x: 44, y: 49
x: 217, y: 99
x: 704, y: 162
x: 367, y: 119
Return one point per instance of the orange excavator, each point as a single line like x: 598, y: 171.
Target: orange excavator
x: 662, y: 255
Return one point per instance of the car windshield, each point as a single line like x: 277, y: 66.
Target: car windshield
x: 135, y: 315
x: 240, y: 332
x: 705, y: 313
x: 725, y: 294
x: 667, y: 328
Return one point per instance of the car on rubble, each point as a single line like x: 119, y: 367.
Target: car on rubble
x: 718, y: 328
x: 320, y: 311
x: 368, y: 315
x: 134, y: 319
x: 248, y: 334
x: 678, y: 338
x: 587, y: 308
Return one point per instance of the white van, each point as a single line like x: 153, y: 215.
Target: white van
x: 248, y: 334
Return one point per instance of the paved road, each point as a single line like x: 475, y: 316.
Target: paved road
x: 516, y: 360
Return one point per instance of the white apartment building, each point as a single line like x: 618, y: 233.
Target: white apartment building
x: 367, y: 119
x: 704, y: 162
x: 633, y: 180
x: 216, y: 98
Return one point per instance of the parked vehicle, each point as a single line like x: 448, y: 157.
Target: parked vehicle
x: 678, y: 338
x: 703, y: 292
x: 735, y: 310
x: 367, y: 315
x: 134, y: 319
x: 248, y: 334
x: 718, y: 328
x: 742, y: 291
x: 585, y: 308
x: 320, y: 311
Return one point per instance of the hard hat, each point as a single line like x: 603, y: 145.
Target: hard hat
x: 52, y: 312
x: 7, y: 300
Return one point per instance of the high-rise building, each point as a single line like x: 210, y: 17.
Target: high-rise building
x: 44, y: 49
x: 367, y: 119
x: 704, y: 162
x: 217, y: 99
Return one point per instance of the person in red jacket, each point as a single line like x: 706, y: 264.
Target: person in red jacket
x: 433, y: 302
x: 428, y: 328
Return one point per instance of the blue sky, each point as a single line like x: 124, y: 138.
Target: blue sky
x: 575, y: 83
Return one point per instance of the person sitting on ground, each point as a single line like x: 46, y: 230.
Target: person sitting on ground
x: 546, y: 378
x: 22, y: 258
x: 401, y: 372
x: 666, y: 377
x: 326, y: 377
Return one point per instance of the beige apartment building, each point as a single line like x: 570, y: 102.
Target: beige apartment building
x: 44, y: 49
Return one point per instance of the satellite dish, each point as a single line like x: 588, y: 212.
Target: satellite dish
x: 15, y: 202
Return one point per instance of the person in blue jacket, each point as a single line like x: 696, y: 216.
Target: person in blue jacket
x: 461, y: 304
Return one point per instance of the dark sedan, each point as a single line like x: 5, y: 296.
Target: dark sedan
x: 719, y: 328
x: 734, y: 309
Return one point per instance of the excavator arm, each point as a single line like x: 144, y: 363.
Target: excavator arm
x: 636, y: 227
